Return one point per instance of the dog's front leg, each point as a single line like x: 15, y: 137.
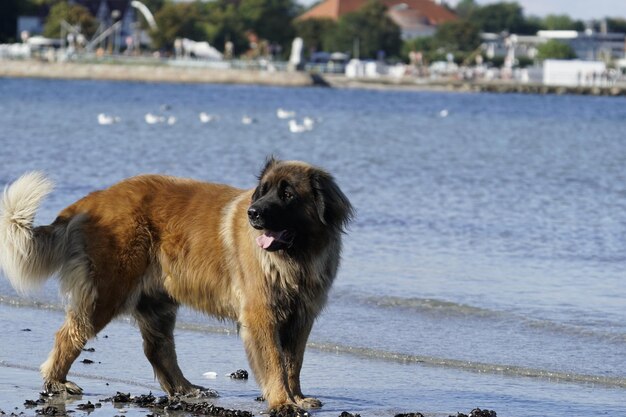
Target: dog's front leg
x: 260, y: 335
x: 294, y: 335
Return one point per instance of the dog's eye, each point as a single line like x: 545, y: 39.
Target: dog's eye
x: 287, y: 195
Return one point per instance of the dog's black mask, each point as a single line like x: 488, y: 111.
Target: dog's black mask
x: 272, y: 210
x: 296, y: 204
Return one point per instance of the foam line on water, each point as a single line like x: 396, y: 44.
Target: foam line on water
x: 383, y: 355
x: 448, y: 308
x: 479, y: 367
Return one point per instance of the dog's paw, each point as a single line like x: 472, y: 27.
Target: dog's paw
x: 287, y: 410
x: 51, y: 388
x: 196, y: 391
x: 309, y: 403
x: 73, y: 389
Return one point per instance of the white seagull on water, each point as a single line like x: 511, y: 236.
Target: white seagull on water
x: 152, y: 119
x: 307, y: 125
x: 207, y: 118
x: 285, y: 114
x: 105, y: 119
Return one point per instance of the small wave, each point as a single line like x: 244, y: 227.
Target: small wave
x: 180, y: 324
x: 384, y: 355
x: 448, y: 308
x: 432, y: 305
x: 478, y: 367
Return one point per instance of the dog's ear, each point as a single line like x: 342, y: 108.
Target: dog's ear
x: 270, y: 162
x: 333, y: 207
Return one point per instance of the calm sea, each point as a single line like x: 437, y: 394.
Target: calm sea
x: 486, y: 263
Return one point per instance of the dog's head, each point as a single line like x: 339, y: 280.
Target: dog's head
x: 296, y: 203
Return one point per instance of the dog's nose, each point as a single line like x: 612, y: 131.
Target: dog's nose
x: 254, y: 213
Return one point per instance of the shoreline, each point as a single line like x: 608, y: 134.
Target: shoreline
x: 200, y: 75
x: 104, y: 376
x: 150, y: 73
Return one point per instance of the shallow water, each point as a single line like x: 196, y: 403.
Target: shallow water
x: 484, y: 267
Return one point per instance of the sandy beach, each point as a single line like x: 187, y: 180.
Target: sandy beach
x: 114, y: 363
x: 111, y: 363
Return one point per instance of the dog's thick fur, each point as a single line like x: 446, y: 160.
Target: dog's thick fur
x: 265, y: 258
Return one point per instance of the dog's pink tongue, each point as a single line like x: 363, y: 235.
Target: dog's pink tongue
x: 264, y: 240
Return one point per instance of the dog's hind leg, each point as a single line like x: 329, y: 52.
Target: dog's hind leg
x: 156, y: 317
x: 69, y: 342
x: 76, y: 282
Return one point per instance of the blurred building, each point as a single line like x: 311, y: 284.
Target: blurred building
x: 414, y: 17
x: 588, y: 45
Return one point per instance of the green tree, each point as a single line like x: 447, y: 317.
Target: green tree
x: 270, y: 19
x: 426, y: 45
x: 616, y: 25
x: 178, y: 20
x: 459, y: 35
x: 315, y: 33
x: 154, y: 5
x: 224, y: 24
x: 465, y: 8
x: 370, y: 28
x: 501, y: 17
x: 562, y: 22
x: 554, y: 49
x: 74, y: 14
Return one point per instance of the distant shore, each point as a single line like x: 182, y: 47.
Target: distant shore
x: 150, y: 73
x: 185, y: 74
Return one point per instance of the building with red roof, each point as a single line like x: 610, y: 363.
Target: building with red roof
x: 414, y: 17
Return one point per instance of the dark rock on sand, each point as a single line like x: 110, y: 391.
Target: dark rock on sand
x: 120, y: 397
x: 89, y: 406
x: 26, y: 330
x: 87, y: 361
x: 260, y: 398
x: 177, y: 404
x: 144, y: 399
x: 477, y: 412
x: 288, y: 411
x: 239, y: 374
x: 89, y: 350
x: 346, y: 414
x: 34, y: 403
x: 410, y: 415
x: 50, y: 411
x: 205, y: 409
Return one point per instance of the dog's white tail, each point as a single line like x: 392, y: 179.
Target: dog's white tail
x: 28, y: 256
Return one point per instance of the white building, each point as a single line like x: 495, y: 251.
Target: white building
x: 588, y: 45
x: 573, y: 73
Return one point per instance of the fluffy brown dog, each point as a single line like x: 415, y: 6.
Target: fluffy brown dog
x: 265, y: 258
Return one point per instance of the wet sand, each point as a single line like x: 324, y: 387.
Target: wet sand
x: 114, y: 362
x: 111, y: 363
